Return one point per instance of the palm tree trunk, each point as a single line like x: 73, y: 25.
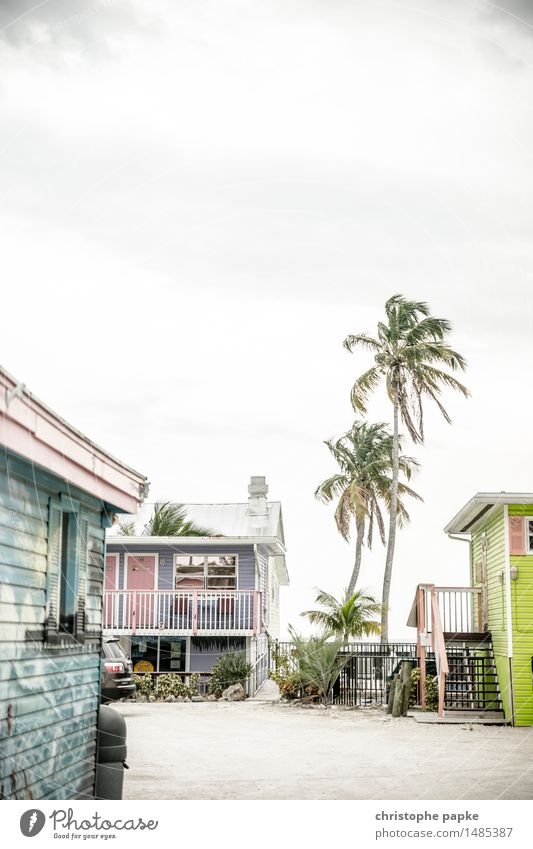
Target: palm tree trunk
x: 360, y: 531
x: 392, y: 525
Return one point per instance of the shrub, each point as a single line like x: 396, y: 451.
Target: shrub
x: 144, y: 684
x: 230, y: 669
x: 170, y: 684
x: 320, y: 664
x: 288, y: 682
x: 432, y: 690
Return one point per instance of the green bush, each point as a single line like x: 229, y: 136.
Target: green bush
x: 230, y: 669
x: 320, y: 663
x: 144, y: 684
x: 288, y: 682
x: 432, y: 690
x: 170, y: 684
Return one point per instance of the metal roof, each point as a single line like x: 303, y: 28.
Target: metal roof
x: 479, y: 505
x: 231, y: 523
x: 229, y: 520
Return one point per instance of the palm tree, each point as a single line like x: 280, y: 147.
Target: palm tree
x: 127, y: 529
x: 167, y: 520
x: 320, y: 663
x: 411, y: 354
x: 364, y: 455
x: 352, y: 616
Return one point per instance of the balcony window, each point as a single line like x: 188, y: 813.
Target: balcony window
x: 209, y: 572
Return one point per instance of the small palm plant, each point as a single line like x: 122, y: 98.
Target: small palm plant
x: 352, y: 616
x: 365, y: 457
x: 320, y: 663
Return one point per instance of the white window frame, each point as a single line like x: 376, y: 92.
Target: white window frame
x: 206, y: 557
x: 529, y: 519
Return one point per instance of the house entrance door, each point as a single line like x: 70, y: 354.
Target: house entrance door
x: 140, y: 576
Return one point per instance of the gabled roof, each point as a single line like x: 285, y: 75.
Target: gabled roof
x: 229, y: 520
x: 231, y: 523
x: 33, y: 431
x: 479, y: 506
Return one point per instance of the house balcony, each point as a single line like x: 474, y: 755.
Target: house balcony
x: 194, y: 612
x: 462, y: 611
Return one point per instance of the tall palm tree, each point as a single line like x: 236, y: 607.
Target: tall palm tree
x: 411, y: 353
x: 352, y: 616
x: 364, y: 455
x: 167, y: 520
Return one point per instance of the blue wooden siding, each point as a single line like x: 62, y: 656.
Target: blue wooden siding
x: 48, y: 695
x: 246, y: 561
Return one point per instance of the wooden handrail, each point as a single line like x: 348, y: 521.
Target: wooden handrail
x: 439, y: 647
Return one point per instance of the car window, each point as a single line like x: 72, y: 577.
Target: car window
x: 113, y: 648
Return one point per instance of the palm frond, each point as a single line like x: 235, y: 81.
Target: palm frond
x: 126, y: 529
x: 362, y: 388
x: 169, y: 519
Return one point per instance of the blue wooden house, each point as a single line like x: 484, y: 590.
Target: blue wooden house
x: 58, y: 493
x: 178, y: 603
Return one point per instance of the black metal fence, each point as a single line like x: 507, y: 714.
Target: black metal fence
x: 365, y: 678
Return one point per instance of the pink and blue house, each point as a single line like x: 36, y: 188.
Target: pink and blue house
x: 178, y: 603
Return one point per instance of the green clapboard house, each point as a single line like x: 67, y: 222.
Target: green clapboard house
x: 499, y: 527
x: 479, y: 638
x: 58, y: 493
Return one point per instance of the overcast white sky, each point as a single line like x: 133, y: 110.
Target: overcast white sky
x: 200, y: 200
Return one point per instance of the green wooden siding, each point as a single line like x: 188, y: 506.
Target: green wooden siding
x: 494, y: 527
x: 48, y: 695
x: 522, y: 607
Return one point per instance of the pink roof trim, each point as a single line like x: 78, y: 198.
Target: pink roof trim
x: 35, y: 432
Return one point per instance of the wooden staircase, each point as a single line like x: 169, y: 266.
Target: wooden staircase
x: 472, y: 682
x: 452, y: 645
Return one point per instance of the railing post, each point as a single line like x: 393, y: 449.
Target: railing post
x: 195, y: 612
x: 439, y: 647
x: 420, y: 649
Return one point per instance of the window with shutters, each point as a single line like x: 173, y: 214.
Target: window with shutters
x: 68, y: 575
x: 529, y: 539
x: 66, y: 578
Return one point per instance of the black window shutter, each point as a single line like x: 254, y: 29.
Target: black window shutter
x: 83, y: 558
x: 53, y: 568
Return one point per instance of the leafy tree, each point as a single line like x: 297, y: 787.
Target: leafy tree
x: 167, y: 520
x: 411, y: 355
x: 127, y: 529
x: 365, y: 457
x: 352, y: 616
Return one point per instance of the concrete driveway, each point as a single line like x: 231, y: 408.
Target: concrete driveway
x: 255, y: 750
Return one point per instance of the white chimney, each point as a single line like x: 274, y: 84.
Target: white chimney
x: 257, y: 496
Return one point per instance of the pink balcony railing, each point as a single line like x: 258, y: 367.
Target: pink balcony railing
x: 182, y: 612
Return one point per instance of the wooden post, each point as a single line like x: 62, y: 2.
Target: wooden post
x: 393, y: 685
x: 405, y: 677
x: 397, y: 700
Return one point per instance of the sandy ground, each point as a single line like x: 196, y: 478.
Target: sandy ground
x: 255, y: 750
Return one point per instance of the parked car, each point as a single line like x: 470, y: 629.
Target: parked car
x: 116, y: 672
